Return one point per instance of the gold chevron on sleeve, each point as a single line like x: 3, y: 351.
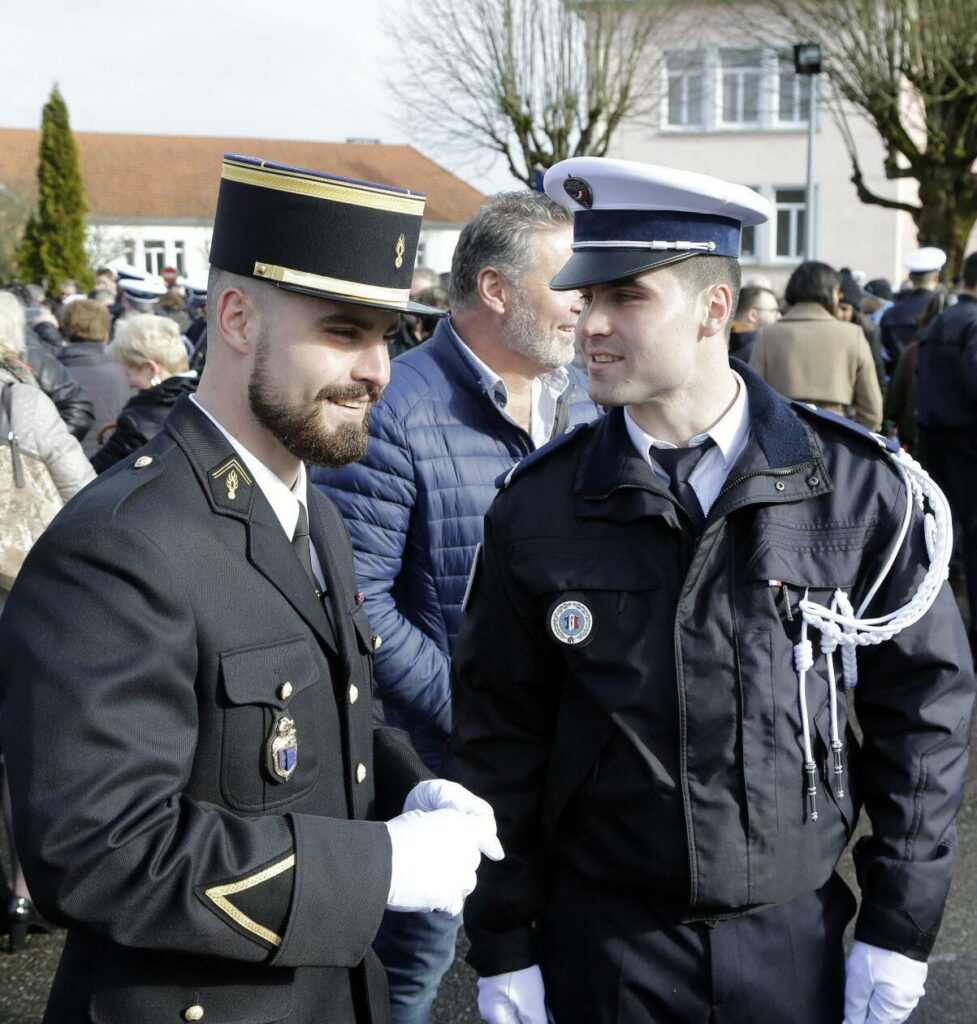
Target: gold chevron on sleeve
x: 218, y: 895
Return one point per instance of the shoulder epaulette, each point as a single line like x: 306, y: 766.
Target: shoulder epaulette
x: 889, y: 444
x: 506, y: 478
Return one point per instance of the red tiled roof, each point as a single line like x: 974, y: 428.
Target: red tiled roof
x: 166, y: 177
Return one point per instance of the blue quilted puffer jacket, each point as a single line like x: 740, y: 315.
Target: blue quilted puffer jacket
x: 439, y: 438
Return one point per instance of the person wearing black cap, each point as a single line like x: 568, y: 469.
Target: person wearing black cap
x: 205, y: 794
x: 649, y: 682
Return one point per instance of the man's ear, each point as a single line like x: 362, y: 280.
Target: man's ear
x: 493, y: 290
x: 718, y: 309
x: 237, y: 319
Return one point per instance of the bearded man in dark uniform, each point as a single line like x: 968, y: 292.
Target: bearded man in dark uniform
x: 204, y: 792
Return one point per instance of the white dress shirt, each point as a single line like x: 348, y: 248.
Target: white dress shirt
x: 284, y: 500
x: 730, y: 433
x: 544, y: 394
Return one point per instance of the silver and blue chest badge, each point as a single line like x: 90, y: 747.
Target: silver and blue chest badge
x: 283, y: 748
x: 571, y: 622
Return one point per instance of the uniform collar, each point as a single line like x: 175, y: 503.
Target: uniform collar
x: 730, y: 431
x: 284, y: 500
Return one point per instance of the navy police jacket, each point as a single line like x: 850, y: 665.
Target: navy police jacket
x: 197, y: 768
x: 662, y: 750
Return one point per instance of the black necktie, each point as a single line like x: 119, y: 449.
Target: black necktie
x: 678, y: 463
x: 303, y: 546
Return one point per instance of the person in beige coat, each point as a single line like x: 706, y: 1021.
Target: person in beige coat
x: 811, y: 356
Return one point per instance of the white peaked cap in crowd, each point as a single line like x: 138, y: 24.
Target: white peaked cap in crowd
x: 631, y: 217
x: 925, y: 260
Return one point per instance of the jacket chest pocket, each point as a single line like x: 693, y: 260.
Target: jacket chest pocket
x: 272, y: 730
x: 606, y: 615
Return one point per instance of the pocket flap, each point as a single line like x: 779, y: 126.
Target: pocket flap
x: 255, y: 675
x: 545, y: 566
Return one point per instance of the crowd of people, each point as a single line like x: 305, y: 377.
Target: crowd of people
x: 305, y: 493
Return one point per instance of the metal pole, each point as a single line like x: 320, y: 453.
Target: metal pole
x: 809, y: 248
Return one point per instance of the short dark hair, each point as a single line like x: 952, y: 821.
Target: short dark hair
x: 700, y: 272
x: 970, y: 272
x: 748, y: 298
x: 813, y: 282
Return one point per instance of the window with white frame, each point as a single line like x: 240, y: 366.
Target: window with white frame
x: 180, y: 258
x: 154, y: 254
x: 686, y: 74
x: 793, y: 92
x: 729, y: 88
x: 129, y: 251
x: 742, y: 76
x: 791, y: 222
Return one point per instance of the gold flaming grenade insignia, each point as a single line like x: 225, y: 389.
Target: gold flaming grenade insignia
x: 233, y: 474
x: 400, y: 249
x: 232, y: 482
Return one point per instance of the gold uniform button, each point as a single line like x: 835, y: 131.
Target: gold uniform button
x: 195, y: 1012
x: 141, y: 463
x: 377, y: 642
x: 361, y: 773
x: 285, y: 690
x: 354, y: 693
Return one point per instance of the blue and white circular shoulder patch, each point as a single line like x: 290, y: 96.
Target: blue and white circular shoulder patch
x: 571, y: 622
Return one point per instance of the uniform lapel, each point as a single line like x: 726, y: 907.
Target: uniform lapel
x: 231, y: 492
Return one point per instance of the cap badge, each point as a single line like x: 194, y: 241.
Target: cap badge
x: 232, y: 473
x: 283, y: 748
x: 400, y: 249
x: 579, y: 191
x: 571, y: 622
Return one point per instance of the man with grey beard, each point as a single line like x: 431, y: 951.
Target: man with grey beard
x: 491, y: 385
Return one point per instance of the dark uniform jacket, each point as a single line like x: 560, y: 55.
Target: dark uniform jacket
x: 158, y: 630
x: 663, y: 752
x: 900, y: 322
x: 946, y: 370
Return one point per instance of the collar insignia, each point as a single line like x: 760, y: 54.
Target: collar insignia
x: 233, y: 474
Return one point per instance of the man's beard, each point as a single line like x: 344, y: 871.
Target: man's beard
x: 523, y: 334
x: 299, y: 428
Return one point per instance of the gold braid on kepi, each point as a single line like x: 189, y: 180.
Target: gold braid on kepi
x: 318, y: 234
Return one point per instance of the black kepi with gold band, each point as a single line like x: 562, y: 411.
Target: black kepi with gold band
x: 630, y: 217
x: 318, y: 234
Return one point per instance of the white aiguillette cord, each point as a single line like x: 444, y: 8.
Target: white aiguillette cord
x: 840, y: 626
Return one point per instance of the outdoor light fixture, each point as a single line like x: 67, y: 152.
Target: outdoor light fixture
x: 807, y: 58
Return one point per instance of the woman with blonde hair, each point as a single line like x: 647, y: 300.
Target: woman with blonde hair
x: 34, y: 426
x: 154, y: 358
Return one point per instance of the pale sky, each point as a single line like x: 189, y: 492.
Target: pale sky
x: 302, y: 69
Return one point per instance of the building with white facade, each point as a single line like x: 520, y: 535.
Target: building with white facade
x: 734, y: 108
x: 152, y: 197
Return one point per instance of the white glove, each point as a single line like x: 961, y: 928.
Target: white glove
x: 881, y: 986
x: 434, y: 794
x: 513, y: 998
x: 435, y: 854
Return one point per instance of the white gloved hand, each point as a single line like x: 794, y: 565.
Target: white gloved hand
x: 514, y: 998
x: 881, y: 986
x: 435, y: 794
x: 434, y: 858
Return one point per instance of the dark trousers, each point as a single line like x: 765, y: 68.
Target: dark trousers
x: 950, y: 457
x: 610, y: 957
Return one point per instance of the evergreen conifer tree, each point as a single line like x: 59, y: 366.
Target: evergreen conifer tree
x: 53, y: 246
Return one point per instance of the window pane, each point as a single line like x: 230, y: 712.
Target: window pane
x: 729, y: 97
x: 790, y: 195
x: 675, y: 99
x: 738, y: 58
x: 783, y: 233
x: 801, y: 240
x: 751, y: 98
x: 748, y: 242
